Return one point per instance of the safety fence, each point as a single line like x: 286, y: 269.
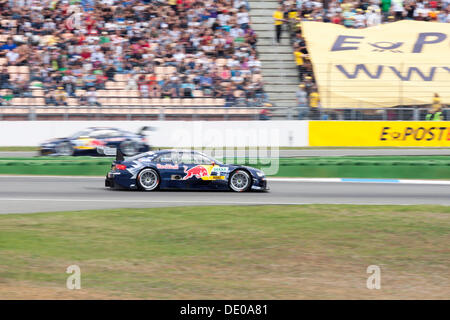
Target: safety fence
x: 214, y: 113
x: 126, y: 113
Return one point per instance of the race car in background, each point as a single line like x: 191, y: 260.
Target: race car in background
x: 93, y: 141
x: 181, y: 169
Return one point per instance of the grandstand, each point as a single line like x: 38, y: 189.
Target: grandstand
x: 174, y: 59
x: 117, y: 58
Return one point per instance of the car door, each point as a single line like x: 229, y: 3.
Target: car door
x: 169, y: 168
x: 112, y: 138
x: 199, y: 171
x: 218, y: 172
x: 190, y: 173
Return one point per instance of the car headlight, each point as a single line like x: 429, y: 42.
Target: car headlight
x: 260, y: 174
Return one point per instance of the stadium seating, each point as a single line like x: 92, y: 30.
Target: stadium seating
x: 67, y: 54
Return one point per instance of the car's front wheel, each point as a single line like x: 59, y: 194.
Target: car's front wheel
x: 148, y: 179
x: 240, y: 181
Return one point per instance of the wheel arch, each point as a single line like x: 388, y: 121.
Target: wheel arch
x: 149, y: 167
x: 240, y: 169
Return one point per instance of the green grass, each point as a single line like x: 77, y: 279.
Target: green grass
x: 255, y: 252
x: 386, y: 167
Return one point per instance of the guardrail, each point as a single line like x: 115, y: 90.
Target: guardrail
x: 376, y: 114
x: 126, y: 112
x: 211, y: 113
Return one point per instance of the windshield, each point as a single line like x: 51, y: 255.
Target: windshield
x: 203, y: 158
x: 80, y: 134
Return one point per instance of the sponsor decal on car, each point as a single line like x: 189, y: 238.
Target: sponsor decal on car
x: 220, y: 169
x: 88, y: 143
x: 114, y: 139
x: 204, y: 172
x: 167, y: 166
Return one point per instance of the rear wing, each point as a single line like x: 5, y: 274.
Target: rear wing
x: 144, y: 129
x: 119, y: 155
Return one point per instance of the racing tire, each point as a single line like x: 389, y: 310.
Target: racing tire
x: 64, y: 149
x: 240, y: 181
x: 129, y: 148
x: 148, y: 179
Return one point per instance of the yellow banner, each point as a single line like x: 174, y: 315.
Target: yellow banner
x: 394, y: 64
x: 379, y: 133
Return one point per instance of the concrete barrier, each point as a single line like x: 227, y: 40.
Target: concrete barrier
x: 168, y: 133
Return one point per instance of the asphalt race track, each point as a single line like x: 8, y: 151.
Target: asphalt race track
x: 27, y: 194
x: 312, y: 152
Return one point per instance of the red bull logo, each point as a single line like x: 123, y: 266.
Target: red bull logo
x: 197, y: 171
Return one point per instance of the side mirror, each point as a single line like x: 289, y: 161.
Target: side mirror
x: 213, y: 163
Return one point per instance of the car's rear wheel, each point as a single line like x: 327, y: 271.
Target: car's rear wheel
x: 240, y: 181
x: 148, y: 179
x: 129, y: 148
x: 64, y: 149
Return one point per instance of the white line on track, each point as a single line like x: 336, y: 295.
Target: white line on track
x: 154, y: 201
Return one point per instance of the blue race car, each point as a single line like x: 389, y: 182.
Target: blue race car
x: 93, y: 141
x: 181, y: 169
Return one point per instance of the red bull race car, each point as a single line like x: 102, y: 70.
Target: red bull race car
x: 181, y: 169
x: 95, y: 140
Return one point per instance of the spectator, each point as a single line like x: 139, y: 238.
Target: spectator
x: 265, y: 113
x: 132, y: 84
x: 243, y: 18
x: 397, y: 8
x: 300, y: 63
x: 9, y: 45
x: 13, y: 57
x: 187, y: 88
x: 60, y: 97
x: 91, y: 97
x: 6, y: 98
x: 278, y: 17
x: 314, y: 107
x: 110, y: 72
x: 82, y: 100
x: 50, y: 99
x: 385, y: 8
x: 4, y: 79
x: 435, y: 114
x: 302, y: 102
x: 143, y: 86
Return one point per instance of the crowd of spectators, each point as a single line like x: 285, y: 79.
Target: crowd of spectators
x: 76, y: 49
x: 351, y: 14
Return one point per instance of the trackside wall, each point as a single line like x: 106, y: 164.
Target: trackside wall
x: 379, y: 133
x: 247, y: 133
x: 168, y: 133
